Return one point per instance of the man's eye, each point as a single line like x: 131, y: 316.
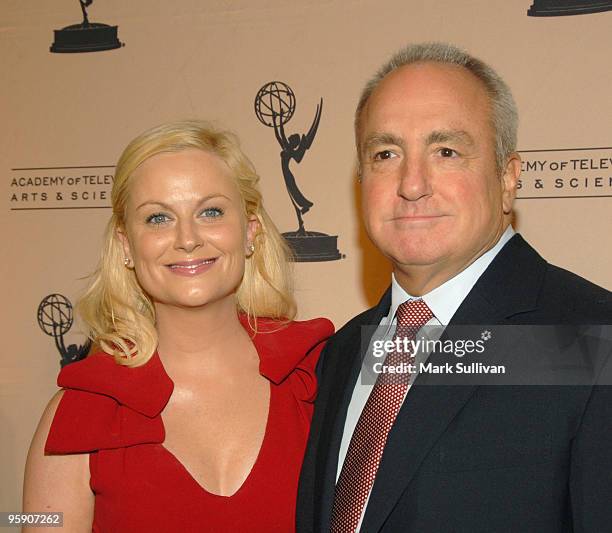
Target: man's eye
x: 156, y: 219
x: 212, y: 212
x: 447, y: 152
x: 383, y: 154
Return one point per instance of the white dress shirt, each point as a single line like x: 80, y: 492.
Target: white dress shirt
x: 443, y: 302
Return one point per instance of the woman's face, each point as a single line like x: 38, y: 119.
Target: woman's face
x: 186, y: 233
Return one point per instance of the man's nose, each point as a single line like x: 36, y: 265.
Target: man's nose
x: 414, y: 182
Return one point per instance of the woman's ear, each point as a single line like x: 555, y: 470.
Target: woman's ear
x: 253, y: 227
x: 121, y: 234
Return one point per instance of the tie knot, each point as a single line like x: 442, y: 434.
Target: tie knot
x: 413, y: 315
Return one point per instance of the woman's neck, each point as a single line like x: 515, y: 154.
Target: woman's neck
x: 193, y: 334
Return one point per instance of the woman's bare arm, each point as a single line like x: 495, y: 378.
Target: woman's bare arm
x: 57, y: 483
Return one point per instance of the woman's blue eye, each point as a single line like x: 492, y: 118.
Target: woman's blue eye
x: 212, y: 212
x: 157, y: 218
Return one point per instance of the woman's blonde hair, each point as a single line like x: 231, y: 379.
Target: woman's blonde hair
x: 119, y: 315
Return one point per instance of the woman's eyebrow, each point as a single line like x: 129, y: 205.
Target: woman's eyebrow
x: 166, y: 206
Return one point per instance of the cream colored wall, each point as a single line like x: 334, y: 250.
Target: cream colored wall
x: 208, y: 60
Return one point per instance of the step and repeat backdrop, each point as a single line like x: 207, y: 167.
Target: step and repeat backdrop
x: 80, y: 79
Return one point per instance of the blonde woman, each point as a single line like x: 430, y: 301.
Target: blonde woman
x: 195, y: 414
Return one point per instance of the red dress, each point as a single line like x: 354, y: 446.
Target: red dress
x: 113, y: 412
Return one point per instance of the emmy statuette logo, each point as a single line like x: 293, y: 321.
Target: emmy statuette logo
x: 86, y: 36
x: 55, y: 318
x: 274, y: 106
x: 556, y: 8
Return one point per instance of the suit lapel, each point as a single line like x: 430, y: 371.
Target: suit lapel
x: 426, y: 413
x: 424, y: 416
x: 342, y: 378
x: 510, y: 285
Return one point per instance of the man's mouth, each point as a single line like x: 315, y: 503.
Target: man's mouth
x: 417, y: 217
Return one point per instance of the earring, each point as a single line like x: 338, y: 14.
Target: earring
x: 126, y: 262
x: 251, y: 248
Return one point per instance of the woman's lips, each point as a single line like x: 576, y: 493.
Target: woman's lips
x: 193, y: 267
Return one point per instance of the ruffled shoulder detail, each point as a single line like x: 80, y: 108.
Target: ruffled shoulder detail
x: 106, y: 405
x: 291, y: 351
x: 109, y: 406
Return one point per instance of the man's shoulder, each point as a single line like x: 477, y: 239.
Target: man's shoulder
x: 354, y: 327
x: 575, y: 297
x: 575, y: 285
x: 523, y: 286
x: 356, y: 323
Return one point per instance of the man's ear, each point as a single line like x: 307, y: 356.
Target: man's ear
x: 510, y: 178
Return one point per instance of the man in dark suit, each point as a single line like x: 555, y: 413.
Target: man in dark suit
x: 436, y: 139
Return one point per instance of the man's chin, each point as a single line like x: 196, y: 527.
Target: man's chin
x: 417, y: 258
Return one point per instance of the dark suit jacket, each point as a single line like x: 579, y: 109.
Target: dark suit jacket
x: 478, y: 458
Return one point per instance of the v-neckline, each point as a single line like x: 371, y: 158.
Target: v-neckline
x: 258, y: 459
x: 264, y: 441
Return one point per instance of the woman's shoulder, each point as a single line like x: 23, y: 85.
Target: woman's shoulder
x: 289, y: 351
x: 301, y: 333
x: 143, y: 388
x: 106, y: 405
x: 317, y: 328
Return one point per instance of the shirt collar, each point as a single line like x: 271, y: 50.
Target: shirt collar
x: 445, y: 299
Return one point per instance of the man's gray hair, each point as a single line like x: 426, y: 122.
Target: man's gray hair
x: 504, y: 114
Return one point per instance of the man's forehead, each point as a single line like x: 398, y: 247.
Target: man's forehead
x: 430, y: 72
x: 421, y: 91
x: 428, y: 85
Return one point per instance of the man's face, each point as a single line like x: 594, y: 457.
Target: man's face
x: 433, y: 200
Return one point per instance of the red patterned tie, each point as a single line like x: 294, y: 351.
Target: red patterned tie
x: 370, y: 436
